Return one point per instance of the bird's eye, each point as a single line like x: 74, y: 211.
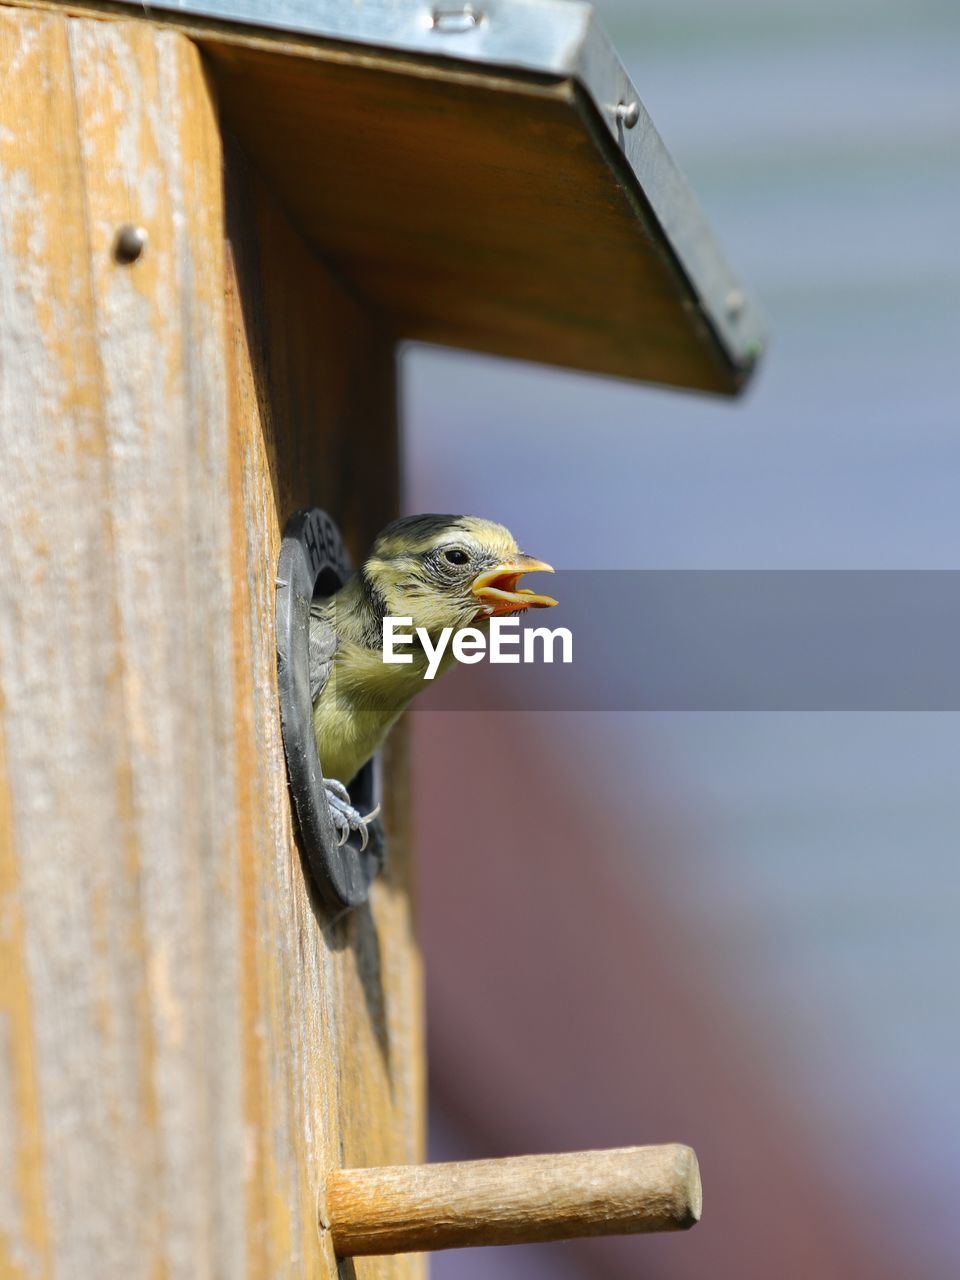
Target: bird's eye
x: 456, y: 556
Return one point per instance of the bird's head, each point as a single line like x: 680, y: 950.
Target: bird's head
x: 450, y: 571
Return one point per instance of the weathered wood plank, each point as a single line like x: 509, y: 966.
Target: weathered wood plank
x: 313, y: 416
x: 115, y: 685
x: 187, y: 1045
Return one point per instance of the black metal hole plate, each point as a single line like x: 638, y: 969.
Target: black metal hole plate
x: 313, y: 559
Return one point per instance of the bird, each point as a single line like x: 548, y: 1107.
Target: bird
x: 438, y: 570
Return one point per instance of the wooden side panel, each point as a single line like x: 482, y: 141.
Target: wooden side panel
x: 186, y: 1043
x: 120, y: 1046
x: 313, y: 423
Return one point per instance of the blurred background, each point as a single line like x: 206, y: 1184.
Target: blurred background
x: 733, y: 930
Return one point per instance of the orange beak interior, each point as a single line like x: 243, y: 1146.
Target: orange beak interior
x: 497, y: 591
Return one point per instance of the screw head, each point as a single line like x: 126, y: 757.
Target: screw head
x: 735, y: 303
x: 628, y: 113
x: 129, y: 244
x: 450, y: 19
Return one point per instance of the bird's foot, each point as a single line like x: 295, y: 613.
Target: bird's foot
x: 346, y: 818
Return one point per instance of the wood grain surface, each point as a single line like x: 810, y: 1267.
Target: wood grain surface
x: 313, y: 409
x: 513, y: 1201
x: 187, y: 1043
x: 116, y: 681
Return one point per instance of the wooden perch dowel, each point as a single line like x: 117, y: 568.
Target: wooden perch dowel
x: 416, y: 1208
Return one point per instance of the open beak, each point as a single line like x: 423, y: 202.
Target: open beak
x: 498, y: 593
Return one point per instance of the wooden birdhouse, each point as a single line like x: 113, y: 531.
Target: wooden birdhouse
x: 218, y: 219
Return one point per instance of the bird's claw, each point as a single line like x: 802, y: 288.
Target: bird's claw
x: 345, y: 817
x: 338, y: 789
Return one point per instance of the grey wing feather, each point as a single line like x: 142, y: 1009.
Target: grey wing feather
x: 323, y: 645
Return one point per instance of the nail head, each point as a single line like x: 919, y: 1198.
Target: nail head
x: 628, y: 113
x: 129, y: 244
x: 450, y: 19
x: 735, y: 303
